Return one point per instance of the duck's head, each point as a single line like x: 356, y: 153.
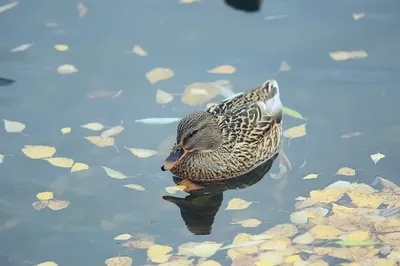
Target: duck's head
x: 197, y: 132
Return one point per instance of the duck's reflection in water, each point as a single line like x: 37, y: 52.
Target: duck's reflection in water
x: 200, y: 207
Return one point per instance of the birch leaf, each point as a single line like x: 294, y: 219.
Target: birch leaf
x: 119, y: 261
x: 134, y: 186
x: 159, y: 253
x: 188, y: 1
x: 199, y: 93
x: 311, y: 176
x: 112, y: 132
x: 79, y: 167
x: 295, y: 132
x: 38, y: 151
x: 8, y: 6
x: 47, y: 195
x: 292, y: 113
x: 47, y: 263
x: 56, y: 205
x: 21, y: 47
x: 163, y: 97
x: 93, y: 126
x: 347, y: 55
x: 173, y: 189
x: 351, y: 135
x: 377, y: 157
x: 39, y: 205
x: 66, y: 69
x: 237, y: 204
x: 249, y: 223
x: 141, y: 153
x: 123, y: 237
x: 346, y: 171
x: 13, y: 126
x: 101, y: 142
x: 223, y: 69
x: 357, y: 16
x: 158, y: 74
x: 61, y: 47
x: 1, y: 158
x: 284, y: 67
x: 65, y: 130
x: 60, y: 162
x: 139, y: 50
x: 82, y: 9
x: 114, y: 173
x: 158, y: 120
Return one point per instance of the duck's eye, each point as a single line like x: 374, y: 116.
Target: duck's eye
x: 178, y: 149
x: 194, y: 132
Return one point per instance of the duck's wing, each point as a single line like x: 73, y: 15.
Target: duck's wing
x: 258, y: 94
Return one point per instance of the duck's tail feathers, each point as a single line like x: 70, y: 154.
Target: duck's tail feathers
x: 273, y: 105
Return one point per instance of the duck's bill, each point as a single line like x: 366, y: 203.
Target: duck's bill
x: 174, y: 157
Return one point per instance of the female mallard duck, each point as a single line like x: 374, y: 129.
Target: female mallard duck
x: 230, y: 138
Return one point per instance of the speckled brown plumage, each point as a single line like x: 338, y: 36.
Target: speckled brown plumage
x: 246, y: 131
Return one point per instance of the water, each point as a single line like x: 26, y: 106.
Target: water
x: 336, y: 97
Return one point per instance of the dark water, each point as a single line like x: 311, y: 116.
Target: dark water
x: 337, y: 97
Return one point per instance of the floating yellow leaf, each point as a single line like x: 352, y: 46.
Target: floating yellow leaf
x: 56, y: 205
x: 325, y: 232
x: 38, y: 151
x: 327, y: 195
x: 66, y: 130
x: 300, y: 217
x: 292, y: 113
x: 223, y: 69
x: 279, y: 243
x: 295, y: 132
x: 101, y: 142
x: 163, y: 97
x: 114, y: 173
x: 142, y: 153
x: 237, y: 204
x: 367, y: 200
x: 304, y: 239
x: 60, y: 162
x: 66, y: 69
x: 134, y: 186
x: 82, y: 9
x: 209, y: 262
x: 139, y: 50
x: 22, y: 47
x: 292, y: 259
x: 47, y: 263
x: 123, y: 237
x: 346, y: 55
x: 61, y: 47
x: 112, y: 131
x: 351, y: 135
x: 174, y: 189
x: 13, y: 126
x: 159, y: 253
x: 199, y: 93
x: 284, y: 67
x: 119, y: 261
x: 346, y: 171
x: 93, y: 126
x: 311, y: 176
x: 280, y: 230
x: 8, y: 6
x: 249, y: 223
x: 265, y: 263
x: 356, y: 236
x: 79, y: 167
x: 377, y: 157
x: 1, y: 158
x: 47, y: 195
x: 357, y: 16
x: 203, y: 250
x: 158, y: 74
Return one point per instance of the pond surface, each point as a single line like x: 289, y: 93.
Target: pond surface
x: 336, y: 97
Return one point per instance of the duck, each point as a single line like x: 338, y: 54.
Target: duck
x: 229, y: 138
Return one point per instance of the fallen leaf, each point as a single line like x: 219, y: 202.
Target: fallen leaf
x: 141, y: 153
x: 67, y: 69
x: 114, y: 173
x: 237, y: 204
x: 8, y: 6
x: 292, y: 113
x: 163, y: 97
x: 377, y: 157
x: 38, y: 151
x: 93, y: 126
x: 351, y: 135
x: 311, y: 176
x: 243, y: 244
x: 123, y: 237
x: 118, y: 261
x: 158, y: 121
x: 56, y: 205
x: 139, y: 50
x: 60, y: 162
x: 203, y: 250
x: 292, y: 259
x: 188, y: 1
x: 65, y: 130
x: 134, y: 186
x: 112, y: 132
x: 101, y: 142
x: 173, y: 189
x: 346, y: 171
x: 38, y: 205
x: 280, y: 230
x: 249, y: 223
x: 280, y: 243
x: 142, y: 243
x: 355, y: 243
x: 61, y: 47
x: 47, y: 195
x: 284, y: 67
x: 47, y: 263
x: 1, y: 158
x: 158, y: 74
x: 79, y: 167
x: 346, y: 55
x: 365, y: 200
x: 295, y: 132
x: 209, y: 262
x: 300, y: 217
x: 304, y: 239
x: 199, y: 93
x: 13, y: 126
x: 223, y: 69
x: 82, y: 9
x: 356, y: 236
x: 357, y: 16
x: 159, y: 253
x: 246, y: 243
x: 103, y: 94
x: 320, y: 231
x: 21, y: 47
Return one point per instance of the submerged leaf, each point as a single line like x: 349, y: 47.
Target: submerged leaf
x: 79, y: 167
x: 346, y: 171
x: 137, y: 49
x: 114, y: 173
x: 292, y: 113
x: 134, y: 186
x: 60, y: 162
x: 163, y: 97
x: 67, y: 69
x: 158, y: 121
x: 223, y: 69
x: 48, y: 195
x: 21, y: 47
x: 357, y: 16
x: 93, y: 126
x: 351, y: 135
x: 295, y: 132
x: 377, y: 157
x: 38, y: 151
x: 82, y: 9
x: 56, y: 205
x: 39, y: 205
x: 13, y: 126
x: 141, y: 153
x: 158, y: 74
x: 101, y: 142
x: 284, y: 67
x: 238, y: 204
